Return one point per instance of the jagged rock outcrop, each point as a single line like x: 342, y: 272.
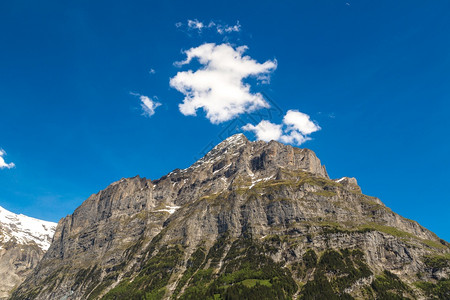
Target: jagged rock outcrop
x: 248, y: 220
x: 23, y: 242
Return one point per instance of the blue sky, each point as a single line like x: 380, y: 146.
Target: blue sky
x: 373, y: 75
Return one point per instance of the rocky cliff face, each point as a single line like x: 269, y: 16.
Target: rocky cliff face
x: 23, y: 242
x: 249, y: 220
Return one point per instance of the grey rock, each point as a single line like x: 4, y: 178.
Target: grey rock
x: 240, y: 188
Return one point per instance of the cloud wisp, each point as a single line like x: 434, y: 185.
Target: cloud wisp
x: 148, y: 105
x: 3, y: 164
x: 217, y: 86
x: 218, y: 27
x: 295, y: 129
x: 222, y: 29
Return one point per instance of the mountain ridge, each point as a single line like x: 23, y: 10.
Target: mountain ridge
x: 240, y: 195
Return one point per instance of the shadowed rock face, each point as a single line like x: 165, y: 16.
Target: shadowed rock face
x: 16, y: 262
x: 249, y: 218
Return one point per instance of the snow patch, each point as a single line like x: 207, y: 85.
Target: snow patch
x: 25, y: 229
x: 254, y: 182
x: 339, y: 180
x: 226, y: 167
x: 169, y: 209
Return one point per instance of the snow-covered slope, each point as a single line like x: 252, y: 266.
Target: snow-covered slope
x: 23, y: 242
x: 25, y: 229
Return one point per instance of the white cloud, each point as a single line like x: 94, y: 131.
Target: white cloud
x: 298, y: 121
x: 265, y: 131
x: 218, y: 86
x: 3, y: 164
x: 152, y: 71
x: 148, y: 105
x: 195, y: 24
x: 295, y: 129
x: 218, y: 27
x: 221, y: 29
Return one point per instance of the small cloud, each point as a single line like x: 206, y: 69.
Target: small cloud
x: 195, y: 24
x: 217, y: 86
x: 295, y: 129
x: 298, y: 121
x: 3, y: 164
x: 219, y: 27
x: 148, y: 105
x: 152, y: 71
x: 346, y: 3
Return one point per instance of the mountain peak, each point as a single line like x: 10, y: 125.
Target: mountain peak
x: 237, y: 156
x: 238, y: 139
x: 267, y: 207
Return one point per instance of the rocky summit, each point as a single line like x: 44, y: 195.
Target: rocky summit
x: 250, y: 220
